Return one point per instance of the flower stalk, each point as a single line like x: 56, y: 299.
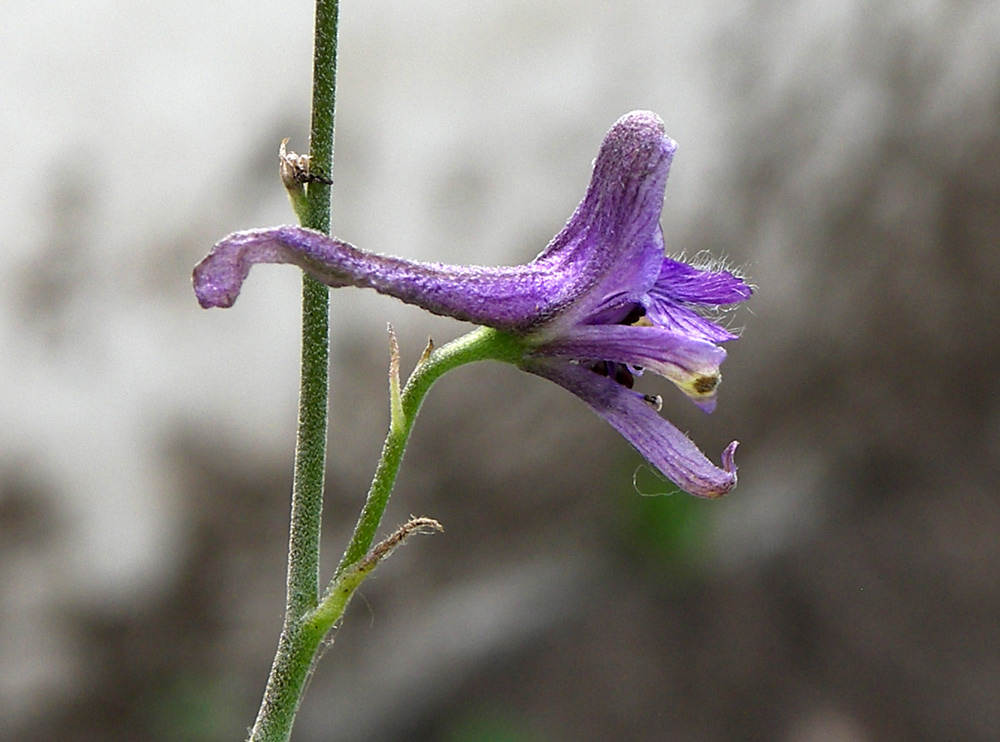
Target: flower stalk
x: 481, y: 344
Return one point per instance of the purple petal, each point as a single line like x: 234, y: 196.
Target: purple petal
x: 509, y: 298
x: 613, y: 239
x: 663, y: 445
x: 678, y: 318
x: 681, y: 286
x: 692, y: 364
x: 683, y: 282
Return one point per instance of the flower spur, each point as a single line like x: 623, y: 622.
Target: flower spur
x: 599, y: 304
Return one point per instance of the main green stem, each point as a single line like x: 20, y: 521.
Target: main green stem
x: 308, y: 617
x: 298, y: 642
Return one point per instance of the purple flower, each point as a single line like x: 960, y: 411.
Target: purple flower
x: 596, y: 307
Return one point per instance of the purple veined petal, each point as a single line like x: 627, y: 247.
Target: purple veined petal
x: 678, y: 318
x: 613, y: 238
x: 508, y: 298
x: 680, y: 287
x: 662, y: 444
x: 691, y: 364
x: 685, y: 283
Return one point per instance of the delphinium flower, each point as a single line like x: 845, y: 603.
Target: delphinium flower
x: 601, y: 303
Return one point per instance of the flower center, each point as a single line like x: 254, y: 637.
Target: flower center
x: 621, y: 372
x: 617, y: 371
x: 635, y: 314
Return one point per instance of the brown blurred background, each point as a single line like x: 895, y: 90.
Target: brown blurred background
x: 846, y: 154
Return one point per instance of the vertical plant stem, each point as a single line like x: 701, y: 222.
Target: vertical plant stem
x: 298, y: 642
x: 321, y: 131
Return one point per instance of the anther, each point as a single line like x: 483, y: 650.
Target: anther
x: 653, y: 400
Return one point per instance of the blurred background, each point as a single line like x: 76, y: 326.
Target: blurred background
x: 846, y: 154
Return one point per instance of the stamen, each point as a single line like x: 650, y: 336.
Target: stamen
x: 653, y: 400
